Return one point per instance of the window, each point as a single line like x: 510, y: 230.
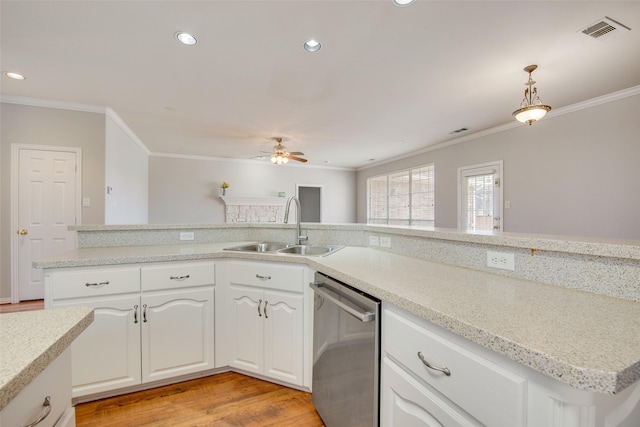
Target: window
x: 480, y: 195
x: 402, y: 198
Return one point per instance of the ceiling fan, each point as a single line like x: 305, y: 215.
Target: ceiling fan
x: 280, y: 155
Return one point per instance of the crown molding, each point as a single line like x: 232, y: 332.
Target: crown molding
x: 126, y: 129
x: 251, y: 161
x: 48, y: 103
x: 604, y: 99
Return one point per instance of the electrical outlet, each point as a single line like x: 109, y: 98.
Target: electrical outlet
x: 374, y: 241
x: 189, y: 235
x: 501, y: 260
x: 385, y: 242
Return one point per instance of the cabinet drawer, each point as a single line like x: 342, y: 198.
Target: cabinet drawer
x: 489, y: 393
x: 27, y: 406
x: 177, y: 275
x: 98, y: 282
x: 267, y: 275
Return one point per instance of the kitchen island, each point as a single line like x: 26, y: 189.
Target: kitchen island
x: 31, y: 343
x: 585, y: 334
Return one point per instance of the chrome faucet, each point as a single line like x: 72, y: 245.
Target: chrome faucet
x: 299, y: 238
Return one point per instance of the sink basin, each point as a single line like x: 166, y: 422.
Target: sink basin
x: 286, y: 249
x: 310, y: 250
x: 258, y: 247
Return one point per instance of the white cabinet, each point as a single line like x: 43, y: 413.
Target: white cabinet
x: 483, y: 388
x: 266, y: 319
x: 107, y: 355
x: 152, y: 322
x: 177, y: 333
x: 48, y: 394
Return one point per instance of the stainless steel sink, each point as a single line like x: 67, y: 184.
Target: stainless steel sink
x: 258, y: 247
x: 286, y: 249
x: 310, y: 250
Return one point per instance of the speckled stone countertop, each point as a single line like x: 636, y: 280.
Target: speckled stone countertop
x: 30, y: 341
x: 589, y: 341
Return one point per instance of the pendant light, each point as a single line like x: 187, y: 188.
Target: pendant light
x: 531, y: 109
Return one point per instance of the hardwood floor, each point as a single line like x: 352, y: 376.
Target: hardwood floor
x: 23, y: 306
x: 222, y: 400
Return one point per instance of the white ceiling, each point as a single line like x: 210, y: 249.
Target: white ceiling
x: 385, y: 73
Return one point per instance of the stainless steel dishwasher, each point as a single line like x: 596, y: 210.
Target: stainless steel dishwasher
x: 346, y: 354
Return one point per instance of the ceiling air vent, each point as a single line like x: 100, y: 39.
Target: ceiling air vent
x: 458, y: 131
x: 605, y: 28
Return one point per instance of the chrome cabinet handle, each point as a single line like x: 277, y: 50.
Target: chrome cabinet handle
x: 96, y: 284
x: 135, y: 314
x: 186, y: 276
x: 259, y: 304
x: 258, y: 276
x: 265, y: 309
x: 45, y: 412
x: 144, y: 313
x: 445, y: 370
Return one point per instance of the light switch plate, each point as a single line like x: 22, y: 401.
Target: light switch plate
x: 385, y: 242
x: 188, y: 235
x: 374, y: 241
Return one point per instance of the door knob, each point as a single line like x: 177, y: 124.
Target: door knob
x: 23, y: 232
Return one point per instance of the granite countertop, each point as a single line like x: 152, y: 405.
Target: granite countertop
x: 589, y: 341
x: 30, y: 341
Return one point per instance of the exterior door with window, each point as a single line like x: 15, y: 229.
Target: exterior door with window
x: 46, y: 205
x: 480, y: 197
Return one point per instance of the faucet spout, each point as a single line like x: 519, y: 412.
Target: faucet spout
x: 299, y: 237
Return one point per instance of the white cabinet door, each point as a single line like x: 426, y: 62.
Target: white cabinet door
x: 177, y: 332
x: 283, y: 333
x: 106, y: 355
x: 246, y: 333
x: 405, y: 402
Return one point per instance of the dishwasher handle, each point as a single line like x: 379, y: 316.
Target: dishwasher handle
x: 364, y: 317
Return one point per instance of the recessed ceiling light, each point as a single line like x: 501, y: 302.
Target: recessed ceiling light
x: 312, y: 45
x: 403, y: 2
x: 186, y: 38
x: 15, y: 76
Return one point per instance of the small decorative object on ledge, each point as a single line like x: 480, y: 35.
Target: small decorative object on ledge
x: 224, y: 187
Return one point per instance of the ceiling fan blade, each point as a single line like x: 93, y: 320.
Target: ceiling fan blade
x: 298, y: 159
x: 296, y: 153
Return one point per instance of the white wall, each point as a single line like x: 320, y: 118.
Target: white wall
x: 127, y: 173
x: 185, y: 190
x: 575, y: 174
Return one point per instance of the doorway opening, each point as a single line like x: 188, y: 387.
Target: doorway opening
x: 310, y: 197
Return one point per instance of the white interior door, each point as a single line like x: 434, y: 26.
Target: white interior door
x: 47, y: 201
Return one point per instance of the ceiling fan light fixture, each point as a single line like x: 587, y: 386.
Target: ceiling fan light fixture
x: 531, y: 109
x: 312, y: 45
x: 186, y: 38
x: 278, y: 159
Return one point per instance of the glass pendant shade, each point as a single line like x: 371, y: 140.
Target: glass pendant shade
x: 531, y: 113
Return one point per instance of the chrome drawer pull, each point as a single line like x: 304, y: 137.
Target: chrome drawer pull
x: 258, y: 276
x: 96, y: 284
x: 144, y: 313
x: 259, y: 304
x: 45, y: 412
x: 265, y: 309
x: 445, y: 370
x: 179, y: 277
x: 135, y: 313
